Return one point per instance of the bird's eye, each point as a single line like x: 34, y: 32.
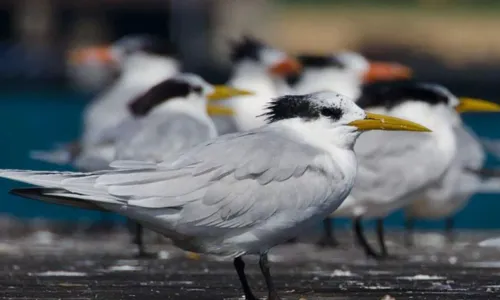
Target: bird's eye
x: 197, y: 89
x: 332, y: 113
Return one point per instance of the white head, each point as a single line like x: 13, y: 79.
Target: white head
x: 344, y: 72
x: 187, y: 91
x: 134, y: 53
x: 421, y: 102
x: 337, y: 118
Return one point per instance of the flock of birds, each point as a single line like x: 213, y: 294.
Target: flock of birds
x: 237, y: 169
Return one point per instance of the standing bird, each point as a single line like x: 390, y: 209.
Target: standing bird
x: 258, y: 68
x: 143, y: 62
x: 237, y: 194
x: 344, y: 73
x: 445, y: 198
x: 169, y: 119
x: 394, y: 168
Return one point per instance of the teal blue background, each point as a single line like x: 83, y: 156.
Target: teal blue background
x: 39, y: 118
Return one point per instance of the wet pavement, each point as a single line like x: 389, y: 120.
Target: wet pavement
x: 47, y: 266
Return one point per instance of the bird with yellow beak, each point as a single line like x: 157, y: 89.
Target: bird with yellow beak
x: 395, y: 170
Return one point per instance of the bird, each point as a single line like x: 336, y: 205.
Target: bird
x: 171, y: 117
x: 259, y: 68
x: 394, y: 168
x: 143, y: 60
x: 237, y: 194
x: 460, y: 182
x: 344, y: 72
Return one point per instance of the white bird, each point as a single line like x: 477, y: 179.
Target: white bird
x: 143, y: 61
x: 343, y: 72
x: 169, y: 118
x: 258, y: 68
x: 461, y: 181
x: 237, y: 194
x: 395, y: 168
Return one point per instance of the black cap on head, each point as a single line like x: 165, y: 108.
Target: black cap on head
x: 391, y: 94
x: 146, y: 43
x: 300, y: 106
x: 247, y: 48
x: 321, y: 61
x: 164, y: 91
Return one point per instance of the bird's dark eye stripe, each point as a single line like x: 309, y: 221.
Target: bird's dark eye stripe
x: 333, y: 113
x: 197, y: 89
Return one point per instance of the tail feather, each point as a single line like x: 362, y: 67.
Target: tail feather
x: 54, y: 196
x: 74, y: 185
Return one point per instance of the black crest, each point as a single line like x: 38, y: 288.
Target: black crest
x: 320, y: 61
x: 247, y: 48
x: 147, y: 43
x: 305, y: 107
x: 168, y: 89
x: 391, y: 94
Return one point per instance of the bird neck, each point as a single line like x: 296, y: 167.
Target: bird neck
x: 192, y: 107
x: 341, y: 81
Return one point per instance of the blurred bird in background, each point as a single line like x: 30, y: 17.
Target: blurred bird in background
x: 143, y: 61
x: 261, y: 69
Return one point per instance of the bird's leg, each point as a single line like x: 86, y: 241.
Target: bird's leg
x: 264, y: 267
x: 449, y: 225
x: 328, y: 239
x: 361, y: 239
x: 381, y: 238
x: 139, y: 241
x: 239, y: 265
x: 408, y: 237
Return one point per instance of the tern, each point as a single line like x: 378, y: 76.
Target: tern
x: 261, y: 69
x: 461, y: 181
x: 171, y: 117
x: 396, y: 168
x: 237, y: 194
x: 143, y: 61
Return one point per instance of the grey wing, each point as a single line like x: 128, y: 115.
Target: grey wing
x: 234, y: 181
x: 161, y: 137
x: 392, y: 165
x: 470, y: 152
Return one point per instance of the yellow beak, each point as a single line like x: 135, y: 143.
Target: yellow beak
x: 476, y: 105
x: 215, y: 110
x: 224, y: 92
x: 383, y: 122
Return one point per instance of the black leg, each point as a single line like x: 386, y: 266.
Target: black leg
x: 361, y: 239
x: 449, y: 226
x: 239, y: 265
x: 409, y: 227
x: 328, y: 239
x: 138, y: 240
x: 381, y: 238
x: 264, y: 267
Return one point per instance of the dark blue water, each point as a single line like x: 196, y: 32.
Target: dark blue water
x: 37, y: 120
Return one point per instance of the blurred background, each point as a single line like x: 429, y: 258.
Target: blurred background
x: 453, y: 42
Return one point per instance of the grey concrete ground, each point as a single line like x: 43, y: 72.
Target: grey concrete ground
x: 42, y: 265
